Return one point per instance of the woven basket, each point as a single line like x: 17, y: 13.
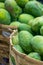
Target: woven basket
x: 11, y: 62
x: 5, y: 46
x: 20, y: 58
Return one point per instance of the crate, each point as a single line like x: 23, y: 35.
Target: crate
x: 5, y: 45
x: 20, y: 58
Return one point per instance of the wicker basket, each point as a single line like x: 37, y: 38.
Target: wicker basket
x: 20, y: 58
x: 5, y: 46
x: 10, y: 62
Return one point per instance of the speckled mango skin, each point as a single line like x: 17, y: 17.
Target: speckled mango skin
x: 34, y: 8
x: 4, y: 17
x: 41, y: 30
x: 21, y: 3
x: 37, y: 23
x: 34, y: 55
x: 18, y: 48
x: 15, y: 40
x: 15, y: 23
x: 24, y: 39
x: 37, y: 44
x: 24, y: 26
x: 25, y: 18
x: 13, y: 8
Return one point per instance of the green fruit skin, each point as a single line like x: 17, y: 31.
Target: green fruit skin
x: 4, y: 17
x: 41, y: 30
x: 2, y: 5
x: 24, y: 39
x: 37, y: 23
x: 12, y: 59
x: 18, y: 48
x: 13, y: 8
x: 21, y: 26
x: 22, y: 3
x: 34, y: 55
x: 34, y: 8
x: 37, y: 44
x: 15, y: 23
x: 15, y: 40
x: 25, y: 18
x: 24, y: 26
x: 32, y: 0
x: 30, y: 22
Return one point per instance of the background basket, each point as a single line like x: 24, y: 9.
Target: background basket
x: 20, y: 58
x: 5, y: 46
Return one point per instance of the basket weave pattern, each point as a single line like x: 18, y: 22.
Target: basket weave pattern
x: 20, y: 58
x: 5, y: 46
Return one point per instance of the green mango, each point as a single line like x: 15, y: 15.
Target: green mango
x: 13, y: 60
x: 24, y: 39
x: 13, y: 8
x: 18, y: 48
x: 15, y: 23
x: 15, y: 39
x: 34, y: 8
x: 34, y: 55
x: 37, y: 44
x: 25, y: 18
x: 30, y: 22
x: 24, y: 26
x: 21, y: 3
x: 4, y: 17
x: 41, y: 30
x: 37, y: 23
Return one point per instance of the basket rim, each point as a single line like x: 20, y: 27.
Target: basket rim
x: 22, y: 54
x: 14, y: 31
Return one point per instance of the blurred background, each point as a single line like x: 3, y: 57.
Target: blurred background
x: 40, y: 1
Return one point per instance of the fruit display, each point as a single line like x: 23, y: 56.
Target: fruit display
x: 12, y: 59
x: 37, y: 44
x: 15, y: 23
x: 21, y: 3
x: 24, y: 39
x: 15, y: 40
x: 4, y: 17
x: 34, y: 55
x: 37, y: 23
x: 13, y: 8
x: 24, y: 26
x: 27, y: 16
x: 18, y: 48
x: 41, y: 30
x: 34, y: 8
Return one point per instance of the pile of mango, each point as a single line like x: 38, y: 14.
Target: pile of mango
x: 27, y: 16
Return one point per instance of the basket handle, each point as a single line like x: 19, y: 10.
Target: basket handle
x: 7, y: 28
